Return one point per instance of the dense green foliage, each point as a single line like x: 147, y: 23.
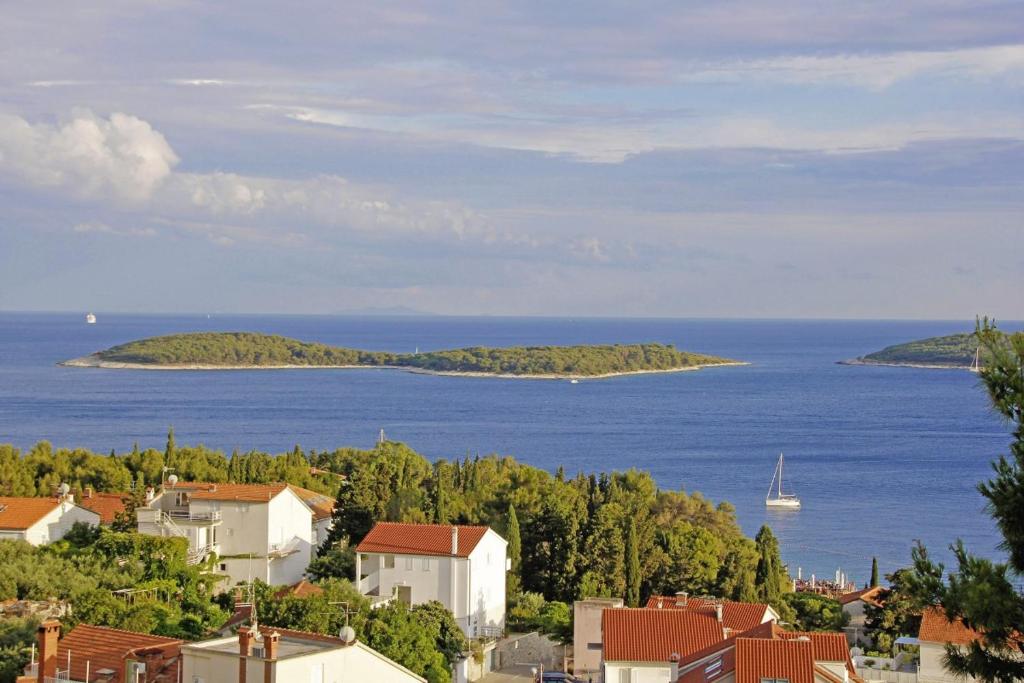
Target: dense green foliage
x: 170, y: 599
x: 898, y: 613
x: 252, y: 349
x: 981, y: 592
x: 813, y: 612
x: 952, y: 350
x: 425, y: 638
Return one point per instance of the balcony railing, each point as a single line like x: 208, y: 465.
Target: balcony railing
x: 189, y: 516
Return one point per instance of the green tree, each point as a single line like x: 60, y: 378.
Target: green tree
x: 770, y: 573
x: 515, y: 551
x: 897, y: 612
x: 815, y: 612
x: 170, y: 449
x: 874, y: 572
x: 448, y: 637
x: 603, y: 555
x: 632, y: 569
x: 980, y: 592
x: 395, y: 632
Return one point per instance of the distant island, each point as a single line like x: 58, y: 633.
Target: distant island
x: 250, y: 351
x: 951, y: 351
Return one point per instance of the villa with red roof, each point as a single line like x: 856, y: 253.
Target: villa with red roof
x: 41, y: 520
x: 935, y: 632
x: 853, y: 605
x: 258, y: 531
x: 462, y: 567
x: 769, y: 653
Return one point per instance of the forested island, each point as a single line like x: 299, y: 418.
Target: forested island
x: 250, y: 350
x: 950, y: 351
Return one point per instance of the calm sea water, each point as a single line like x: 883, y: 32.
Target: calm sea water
x: 879, y: 456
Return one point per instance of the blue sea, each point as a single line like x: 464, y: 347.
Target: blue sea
x: 879, y: 456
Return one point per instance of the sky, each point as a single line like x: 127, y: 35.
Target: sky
x: 602, y: 158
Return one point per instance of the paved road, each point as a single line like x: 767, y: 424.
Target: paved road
x: 513, y: 674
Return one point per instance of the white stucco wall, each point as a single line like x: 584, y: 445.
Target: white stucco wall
x: 931, y: 670
x: 432, y: 583
x: 636, y: 672
x: 354, y: 664
x: 58, y: 522
x: 487, y: 583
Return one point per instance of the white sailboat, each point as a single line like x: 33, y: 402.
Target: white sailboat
x: 780, y: 500
x: 90, y: 319
x: 976, y: 363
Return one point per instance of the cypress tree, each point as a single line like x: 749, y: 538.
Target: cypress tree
x: 632, y: 566
x: 515, y: 551
x: 441, y: 514
x: 170, y: 448
x: 874, y: 572
x: 768, y: 576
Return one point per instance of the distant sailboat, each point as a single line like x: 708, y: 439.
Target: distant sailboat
x: 780, y: 500
x: 976, y: 363
x: 90, y: 319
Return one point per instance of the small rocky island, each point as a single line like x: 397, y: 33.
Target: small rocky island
x: 951, y: 351
x: 253, y: 351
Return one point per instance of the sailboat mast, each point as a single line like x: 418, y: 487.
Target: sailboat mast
x: 780, y: 475
x: 771, y: 484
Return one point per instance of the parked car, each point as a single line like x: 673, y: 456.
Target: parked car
x: 556, y: 677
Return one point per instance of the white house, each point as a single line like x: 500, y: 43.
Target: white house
x: 41, y: 520
x: 462, y: 567
x: 853, y: 605
x: 935, y: 632
x: 281, y: 655
x: 258, y: 531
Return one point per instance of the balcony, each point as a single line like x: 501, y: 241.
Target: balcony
x: 186, y: 516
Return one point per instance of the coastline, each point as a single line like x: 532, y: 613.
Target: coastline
x: 94, y: 361
x: 898, y: 364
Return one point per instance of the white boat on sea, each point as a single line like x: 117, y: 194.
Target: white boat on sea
x: 976, y: 363
x: 90, y: 319
x: 786, y: 501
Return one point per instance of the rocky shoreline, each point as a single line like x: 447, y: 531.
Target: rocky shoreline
x: 94, y: 361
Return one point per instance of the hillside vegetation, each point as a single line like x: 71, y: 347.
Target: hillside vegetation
x: 232, y: 349
x: 953, y: 350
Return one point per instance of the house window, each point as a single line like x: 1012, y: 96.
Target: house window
x: 426, y: 564
x: 223, y: 566
x: 389, y: 562
x: 625, y: 675
x: 408, y: 563
x: 595, y: 646
x: 713, y: 668
x: 774, y: 680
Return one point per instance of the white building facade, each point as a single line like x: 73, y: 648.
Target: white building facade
x: 41, y: 520
x: 462, y: 567
x: 265, y: 532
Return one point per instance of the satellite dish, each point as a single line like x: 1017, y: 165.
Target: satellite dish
x: 348, y: 634
x: 173, y: 479
x: 63, y: 489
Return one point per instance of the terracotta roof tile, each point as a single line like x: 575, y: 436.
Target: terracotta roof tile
x: 738, y: 616
x: 868, y: 595
x: 302, y: 589
x: 321, y: 504
x: 936, y: 628
x: 756, y: 659
x: 828, y: 647
x: 420, y: 539
x: 19, y: 514
x: 106, y: 505
x: 653, y: 635
x: 100, y: 647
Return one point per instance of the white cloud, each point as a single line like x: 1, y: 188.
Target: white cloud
x: 89, y: 156
x: 870, y: 70
x: 101, y: 228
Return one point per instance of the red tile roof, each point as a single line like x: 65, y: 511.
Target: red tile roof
x: 321, y: 504
x: 738, y: 616
x: 828, y: 647
x: 99, y: 647
x: 936, y: 628
x: 106, y: 505
x: 420, y: 539
x: 302, y: 589
x: 654, y: 635
x: 868, y: 595
x: 19, y: 514
x: 790, y: 659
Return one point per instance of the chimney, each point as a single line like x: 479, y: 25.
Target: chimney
x: 87, y: 494
x: 48, y: 633
x: 244, y: 651
x: 718, y: 612
x: 661, y: 603
x: 682, y: 599
x: 455, y: 540
x: 270, y: 643
x: 673, y: 662
x: 150, y: 494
